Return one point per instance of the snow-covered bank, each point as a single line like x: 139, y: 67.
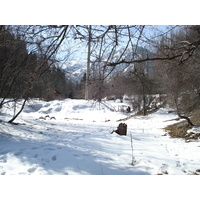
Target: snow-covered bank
x: 73, y: 137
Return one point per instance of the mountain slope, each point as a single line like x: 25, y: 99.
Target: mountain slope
x: 76, y: 68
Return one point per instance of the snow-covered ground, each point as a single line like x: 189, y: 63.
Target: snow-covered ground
x: 75, y: 139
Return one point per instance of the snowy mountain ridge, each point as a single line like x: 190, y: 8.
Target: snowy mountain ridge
x: 76, y: 68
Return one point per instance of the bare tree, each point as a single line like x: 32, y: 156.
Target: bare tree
x: 88, y: 63
x: 178, y: 77
x: 17, y: 68
x: 105, y: 43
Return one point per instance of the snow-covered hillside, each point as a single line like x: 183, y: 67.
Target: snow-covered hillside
x: 76, y: 68
x: 71, y: 137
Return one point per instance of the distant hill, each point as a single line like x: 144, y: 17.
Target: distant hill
x: 76, y: 68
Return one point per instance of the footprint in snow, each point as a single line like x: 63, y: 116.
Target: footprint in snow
x: 17, y: 153
x: 85, y: 154
x: 164, y: 168
x: 51, y: 149
x: 3, y: 173
x: 54, y: 158
x: 22, y: 173
x: 3, y: 159
x: 32, y: 169
x: 178, y: 164
x: 45, y: 160
x: 34, y: 147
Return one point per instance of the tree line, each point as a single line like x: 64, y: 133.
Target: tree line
x: 171, y: 69
x: 25, y: 74
x: 167, y: 63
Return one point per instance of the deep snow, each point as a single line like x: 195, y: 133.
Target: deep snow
x: 77, y: 140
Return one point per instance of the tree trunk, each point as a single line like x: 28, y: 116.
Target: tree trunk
x: 187, y: 118
x: 88, y: 66
x: 144, y: 100
x: 12, y: 120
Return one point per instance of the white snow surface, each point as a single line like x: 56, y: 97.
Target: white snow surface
x: 77, y: 141
x: 195, y: 129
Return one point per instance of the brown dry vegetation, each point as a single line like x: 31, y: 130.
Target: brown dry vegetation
x: 179, y: 130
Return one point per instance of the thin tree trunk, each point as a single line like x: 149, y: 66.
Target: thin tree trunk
x: 181, y: 116
x: 12, y: 120
x: 187, y: 118
x: 144, y: 100
x: 88, y: 66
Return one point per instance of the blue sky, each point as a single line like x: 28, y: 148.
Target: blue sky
x: 81, y: 48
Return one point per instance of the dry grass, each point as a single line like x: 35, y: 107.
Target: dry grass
x: 179, y: 130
